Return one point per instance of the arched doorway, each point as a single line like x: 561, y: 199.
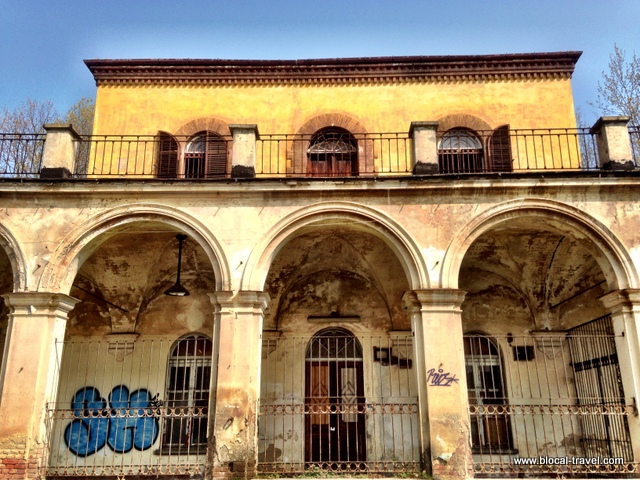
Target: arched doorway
x: 334, y: 398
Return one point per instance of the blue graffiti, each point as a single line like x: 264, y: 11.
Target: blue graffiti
x: 124, y: 426
x: 88, y: 432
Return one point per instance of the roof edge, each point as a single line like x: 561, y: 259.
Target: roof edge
x: 370, y: 69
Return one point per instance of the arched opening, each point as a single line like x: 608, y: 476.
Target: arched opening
x: 460, y: 151
x: 187, y: 395
x: 334, y: 398
x: 205, y: 156
x: 337, y: 356
x: 533, y: 280
x: 120, y: 348
x: 486, y: 389
x: 332, y: 152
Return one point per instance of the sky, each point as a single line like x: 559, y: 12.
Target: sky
x: 43, y: 42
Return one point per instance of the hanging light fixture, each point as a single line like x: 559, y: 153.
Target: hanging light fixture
x: 178, y: 290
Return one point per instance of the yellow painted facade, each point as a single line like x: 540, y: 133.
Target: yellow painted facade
x: 147, y: 109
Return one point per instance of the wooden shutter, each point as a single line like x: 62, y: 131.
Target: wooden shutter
x: 167, y: 161
x: 215, y: 156
x: 500, y: 150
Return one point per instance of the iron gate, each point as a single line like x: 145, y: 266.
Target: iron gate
x: 338, y: 402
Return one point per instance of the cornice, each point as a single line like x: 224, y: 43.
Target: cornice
x: 416, y: 69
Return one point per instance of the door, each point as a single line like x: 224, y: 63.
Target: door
x: 334, y: 390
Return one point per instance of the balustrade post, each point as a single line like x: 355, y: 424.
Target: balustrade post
x: 59, y: 156
x: 244, y: 150
x: 28, y: 380
x: 614, y: 143
x: 425, y: 148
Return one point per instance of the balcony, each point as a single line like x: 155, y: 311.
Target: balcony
x: 422, y: 151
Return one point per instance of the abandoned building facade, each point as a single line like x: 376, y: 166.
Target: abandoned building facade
x: 371, y: 265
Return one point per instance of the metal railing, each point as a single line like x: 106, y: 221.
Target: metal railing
x: 21, y: 154
x: 373, y: 154
x: 113, y: 415
x: 339, y: 403
x: 549, y: 396
x: 284, y: 155
x: 149, y: 156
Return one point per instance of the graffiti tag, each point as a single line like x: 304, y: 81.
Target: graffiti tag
x: 125, y: 425
x: 440, y: 378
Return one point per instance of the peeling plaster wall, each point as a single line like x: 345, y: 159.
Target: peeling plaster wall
x: 347, y: 273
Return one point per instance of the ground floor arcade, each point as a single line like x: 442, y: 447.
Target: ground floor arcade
x: 341, y: 351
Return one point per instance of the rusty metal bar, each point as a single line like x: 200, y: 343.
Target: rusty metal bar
x: 336, y: 402
x: 115, y: 409
x: 548, y: 395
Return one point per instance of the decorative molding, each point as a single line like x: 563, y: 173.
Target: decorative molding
x: 550, y: 343
x: 121, y: 344
x: 415, y: 69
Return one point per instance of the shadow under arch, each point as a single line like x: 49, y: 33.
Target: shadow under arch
x: 348, y: 214
x: 612, y: 257
x: 81, y: 242
x: 16, y: 259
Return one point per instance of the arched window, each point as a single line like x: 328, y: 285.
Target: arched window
x: 333, y: 152
x: 490, y: 430
x: 205, y: 156
x: 187, y: 395
x: 460, y: 151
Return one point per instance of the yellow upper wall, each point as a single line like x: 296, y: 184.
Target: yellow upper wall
x: 380, y: 107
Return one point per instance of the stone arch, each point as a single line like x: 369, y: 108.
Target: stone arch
x: 85, y: 239
x: 612, y: 257
x: 297, y: 151
x: 16, y: 258
x: 204, y: 124
x: 357, y: 216
x: 341, y: 120
x: 462, y: 120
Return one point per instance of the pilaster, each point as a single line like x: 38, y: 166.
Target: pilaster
x: 238, y: 318
x: 425, y: 148
x: 624, y: 306
x: 244, y: 150
x: 28, y: 380
x: 444, y: 407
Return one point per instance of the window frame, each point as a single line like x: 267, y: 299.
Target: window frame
x: 339, y: 161
x: 203, y: 155
x: 459, y: 157
x: 188, y: 406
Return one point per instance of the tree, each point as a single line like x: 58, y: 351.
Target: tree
x: 619, y: 90
x: 21, y: 139
x: 22, y: 134
x: 80, y: 116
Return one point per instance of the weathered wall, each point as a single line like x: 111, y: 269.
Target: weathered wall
x: 379, y: 108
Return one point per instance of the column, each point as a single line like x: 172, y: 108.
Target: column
x: 243, y: 155
x: 624, y: 306
x: 59, y: 156
x: 444, y: 405
x: 614, y: 143
x: 238, y: 336
x: 28, y: 381
x: 425, y: 148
